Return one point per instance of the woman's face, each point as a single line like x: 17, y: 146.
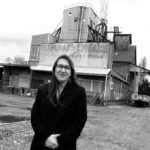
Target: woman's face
x: 62, y: 70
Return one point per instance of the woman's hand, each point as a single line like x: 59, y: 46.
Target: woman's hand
x: 51, y: 141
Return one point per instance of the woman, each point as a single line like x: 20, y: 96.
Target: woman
x: 59, y: 112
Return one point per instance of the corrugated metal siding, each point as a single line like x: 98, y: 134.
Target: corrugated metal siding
x: 19, y: 80
x: 119, y: 90
x: 122, y: 68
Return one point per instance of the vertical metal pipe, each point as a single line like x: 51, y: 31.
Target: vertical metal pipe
x: 30, y: 78
x: 105, y: 87
x: 80, y: 33
x: 79, y: 28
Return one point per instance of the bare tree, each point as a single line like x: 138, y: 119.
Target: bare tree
x: 143, y: 62
x: 143, y: 65
x: 19, y: 60
x: 8, y: 60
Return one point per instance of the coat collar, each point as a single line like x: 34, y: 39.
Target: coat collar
x: 67, y: 89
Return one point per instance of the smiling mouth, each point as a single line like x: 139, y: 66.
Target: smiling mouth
x: 62, y: 75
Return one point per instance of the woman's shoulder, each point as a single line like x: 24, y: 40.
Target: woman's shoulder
x: 79, y: 88
x: 44, y: 86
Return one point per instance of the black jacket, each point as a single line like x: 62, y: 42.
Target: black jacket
x: 67, y: 118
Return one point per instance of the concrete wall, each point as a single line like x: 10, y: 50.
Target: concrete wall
x: 35, y: 45
x: 42, y: 39
x: 34, y: 54
x: 75, y: 24
x: 97, y: 55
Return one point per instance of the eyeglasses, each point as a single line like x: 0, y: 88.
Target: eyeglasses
x: 60, y: 66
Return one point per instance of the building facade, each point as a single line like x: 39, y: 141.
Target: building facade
x: 93, y: 60
x: 102, y: 67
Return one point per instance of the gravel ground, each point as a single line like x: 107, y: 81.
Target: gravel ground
x: 15, y: 136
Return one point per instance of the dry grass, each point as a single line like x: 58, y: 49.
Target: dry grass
x: 116, y: 128
x: 107, y: 128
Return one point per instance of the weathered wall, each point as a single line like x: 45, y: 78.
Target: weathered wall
x: 19, y: 78
x: 42, y: 38
x: 122, y: 41
x: 75, y: 24
x: 16, y: 77
x: 119, y: 90
x: 122, y: 68
x: 83, y: 54
x: 92, y: 83
x: 35, y: 44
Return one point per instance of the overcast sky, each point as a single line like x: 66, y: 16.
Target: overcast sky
x: 20, y: 19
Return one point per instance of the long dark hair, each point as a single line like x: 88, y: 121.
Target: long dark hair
x: 54, y: 84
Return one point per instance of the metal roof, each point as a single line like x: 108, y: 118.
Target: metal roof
x: 82, y: 71
x: 92, y: 71
x: 79, y: 70
x: 136, y: 68
x: 113, y: 73
x: 42, y: 68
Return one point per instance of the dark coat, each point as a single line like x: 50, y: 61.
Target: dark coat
x: 67, y: 119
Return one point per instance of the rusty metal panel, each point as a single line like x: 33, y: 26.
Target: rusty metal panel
x: 98, y: 55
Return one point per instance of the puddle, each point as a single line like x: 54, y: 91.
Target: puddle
x: 10, y: 119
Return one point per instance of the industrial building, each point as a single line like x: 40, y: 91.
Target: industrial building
x: 84, y: 38
x: 106, y: 68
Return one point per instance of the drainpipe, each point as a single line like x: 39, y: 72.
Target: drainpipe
x: 110, y: 81
x: 80, y: 24
x: 120, y: 90
x: 30, y: 78
x: 87, y: 30
x: 105, y: 87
